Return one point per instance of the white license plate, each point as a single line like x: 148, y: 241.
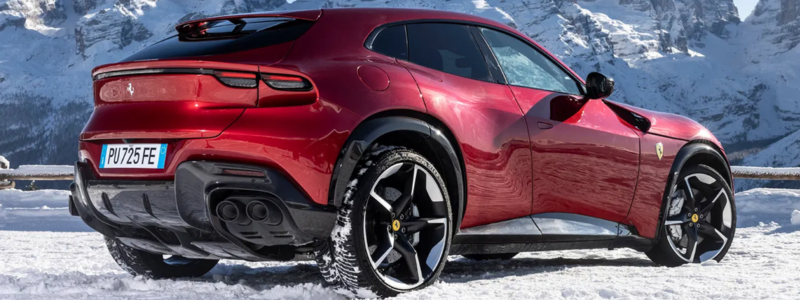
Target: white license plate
x: 133, y: 156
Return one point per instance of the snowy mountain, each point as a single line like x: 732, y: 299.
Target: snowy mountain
x: 692, y: 57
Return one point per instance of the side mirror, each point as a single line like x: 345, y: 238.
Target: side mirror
x: 598, y: 86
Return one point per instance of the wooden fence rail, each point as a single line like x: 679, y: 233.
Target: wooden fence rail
x: 38, y: 172
x: 766, y: 173
x: 32, y: 172
x: 51, y: 172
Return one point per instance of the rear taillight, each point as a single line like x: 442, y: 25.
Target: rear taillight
x: 286, y: 82
x: 237, y: 79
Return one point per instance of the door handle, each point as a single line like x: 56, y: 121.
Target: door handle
x: 545, y: 125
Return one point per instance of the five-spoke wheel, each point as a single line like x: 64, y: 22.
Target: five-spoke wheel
x: 394, y: 227
x: 405, y: 243
x: 700, y: 219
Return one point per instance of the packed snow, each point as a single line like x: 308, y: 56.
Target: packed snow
x: 42, y: 210
x: 758, y: 206
x: 763, y: 262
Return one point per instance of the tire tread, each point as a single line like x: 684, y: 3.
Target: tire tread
x: 337, y: 259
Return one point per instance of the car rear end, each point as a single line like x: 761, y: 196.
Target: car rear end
x: 157, y: 170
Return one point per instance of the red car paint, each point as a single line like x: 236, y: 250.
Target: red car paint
x: 493, y: 138
x: 524, y: 151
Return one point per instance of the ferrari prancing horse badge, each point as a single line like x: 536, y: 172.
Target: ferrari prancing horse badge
x: 660, y: 150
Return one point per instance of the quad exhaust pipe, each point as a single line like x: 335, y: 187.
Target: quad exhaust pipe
x: 231, y: 212
x: 264, y: 212
x: 257, y: 211
x: 255, y: 219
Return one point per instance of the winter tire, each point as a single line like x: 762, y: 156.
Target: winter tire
x: 155, y: 266
x: 393, y: 230
x: 699, y: 219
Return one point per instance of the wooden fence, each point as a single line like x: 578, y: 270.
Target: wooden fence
x: 50, y: 172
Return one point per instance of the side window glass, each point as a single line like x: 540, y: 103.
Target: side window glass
x: 449, y: 48
x: 525, y: 66
x: 392, y: 41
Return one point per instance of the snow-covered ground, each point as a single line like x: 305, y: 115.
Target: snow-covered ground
x: 42, y: 210
x: 763, y: 263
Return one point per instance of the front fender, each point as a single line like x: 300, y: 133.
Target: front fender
x: 686, y: 153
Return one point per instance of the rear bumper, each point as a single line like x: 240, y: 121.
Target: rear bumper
x: 179, y: 217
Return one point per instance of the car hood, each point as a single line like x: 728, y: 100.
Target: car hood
x: 671, y: 125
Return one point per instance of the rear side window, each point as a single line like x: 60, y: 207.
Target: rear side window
x: 225, y: 36
x: 392, y: 41
x: 449, y: 48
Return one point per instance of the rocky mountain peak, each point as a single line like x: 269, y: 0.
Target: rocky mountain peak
x: 777, y: 21
x: 790, y: 11
x: 33, y: 13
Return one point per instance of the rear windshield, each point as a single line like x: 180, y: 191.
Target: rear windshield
x: 225, y: 36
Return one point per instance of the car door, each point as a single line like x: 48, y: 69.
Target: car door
x: 585, y: 158
x: 459, y: 89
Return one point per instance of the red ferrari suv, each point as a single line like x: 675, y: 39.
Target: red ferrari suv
x: 378, y: 142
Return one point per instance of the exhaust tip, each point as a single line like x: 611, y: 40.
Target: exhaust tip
x: 257, y: 211
x: 228, y: 211
x: 264, y: 212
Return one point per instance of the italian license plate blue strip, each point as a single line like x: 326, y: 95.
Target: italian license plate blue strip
x: 163, y: 156
x: 103, y: 156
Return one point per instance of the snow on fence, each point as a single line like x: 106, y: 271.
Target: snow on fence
x: 766, y: 173
x: 32, y: 172
x: 51, y: 172
x: 38, y: 172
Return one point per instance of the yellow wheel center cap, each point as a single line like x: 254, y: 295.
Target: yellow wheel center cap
x: 396, y: 225
x: 695, y: 218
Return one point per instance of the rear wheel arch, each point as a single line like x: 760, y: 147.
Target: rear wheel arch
x: 411, y: 129
x: 694, y: 153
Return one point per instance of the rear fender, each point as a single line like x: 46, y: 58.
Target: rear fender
x: 370, y: 131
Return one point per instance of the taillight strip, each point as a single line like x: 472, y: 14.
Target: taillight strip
x: 235, y: 79
x: 235, y: 74
x: 153, y: 71
x: 286, y: 82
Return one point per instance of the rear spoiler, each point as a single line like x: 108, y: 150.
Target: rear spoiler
x: 308, y: 15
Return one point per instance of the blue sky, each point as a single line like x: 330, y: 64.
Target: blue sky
x: 745, y: 7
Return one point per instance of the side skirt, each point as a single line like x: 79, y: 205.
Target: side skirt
x: 546, y: 232
x: 460, y: 247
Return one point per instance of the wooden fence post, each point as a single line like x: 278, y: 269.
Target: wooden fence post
x: 4, y: 165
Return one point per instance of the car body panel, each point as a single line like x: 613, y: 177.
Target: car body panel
x: 672, y: 125
x: 654, y: 173
x: 585, y: 159
x: 306, y: 153
x: 493, y: 138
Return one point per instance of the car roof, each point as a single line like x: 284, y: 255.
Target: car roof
x: 407, y: 14
x: 387, y: 15
x: 390, y: 15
